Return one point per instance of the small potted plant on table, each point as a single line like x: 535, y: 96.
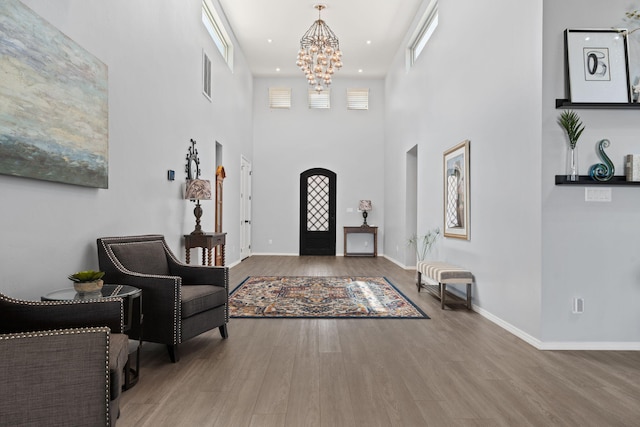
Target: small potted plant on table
x: 87, y: 282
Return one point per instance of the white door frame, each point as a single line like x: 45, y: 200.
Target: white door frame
x: 245, y: 208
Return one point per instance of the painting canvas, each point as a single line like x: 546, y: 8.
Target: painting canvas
x: 456, y: 191
x: 53, y: 103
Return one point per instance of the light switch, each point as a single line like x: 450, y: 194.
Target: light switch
x: 597, y: 194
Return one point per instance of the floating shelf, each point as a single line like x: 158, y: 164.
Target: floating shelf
x: 586, y: 181
x: 565, y: 103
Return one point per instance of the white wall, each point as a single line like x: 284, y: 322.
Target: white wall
x: 479, y: 78
x: 590, y: 250
x: 288, y: 142
x: 153, y: 51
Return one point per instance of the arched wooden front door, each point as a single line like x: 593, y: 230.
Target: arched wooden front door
x: 318, y: 212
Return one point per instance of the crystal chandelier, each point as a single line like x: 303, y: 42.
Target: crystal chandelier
x: 319, y: 56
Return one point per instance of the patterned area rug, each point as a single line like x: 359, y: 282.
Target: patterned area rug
x: 321, y: 297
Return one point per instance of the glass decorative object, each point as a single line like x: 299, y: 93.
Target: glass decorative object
x: 572, y: 164
x: 570, y: 122
x: 602, y: 171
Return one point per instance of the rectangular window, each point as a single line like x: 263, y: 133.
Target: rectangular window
x: 425, y: 29
x: 206, y: 76
x: 358, y: 99
x: 216, y: 30
x: 280, y: 97
x: 319, y: 99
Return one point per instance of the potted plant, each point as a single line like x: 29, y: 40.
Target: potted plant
x: 423, y: 244
x: 89, y: 281
x: 572, y: 125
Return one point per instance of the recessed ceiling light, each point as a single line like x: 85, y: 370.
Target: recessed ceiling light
x: 278, y: 69
x: 269, y: 40
x: 360, y: 70
x: 368, y: 41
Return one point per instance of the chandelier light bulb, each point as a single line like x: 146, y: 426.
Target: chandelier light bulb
x: 319, y: 54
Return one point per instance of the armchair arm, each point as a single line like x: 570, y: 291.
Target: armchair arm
x: 201, y: 274
x: 161, y: 296
x: 23, y: 316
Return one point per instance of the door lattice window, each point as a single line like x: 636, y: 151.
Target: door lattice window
x: 318, y: 203
x: 452, y: 199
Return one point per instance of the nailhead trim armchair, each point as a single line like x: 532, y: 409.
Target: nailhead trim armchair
x: 180, y: 301
x: 61, y: 362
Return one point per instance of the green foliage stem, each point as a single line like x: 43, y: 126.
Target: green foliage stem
x: 423, y: 244
x: 571, y: 123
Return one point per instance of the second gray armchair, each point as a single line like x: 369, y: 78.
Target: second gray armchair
x: 179, y: 301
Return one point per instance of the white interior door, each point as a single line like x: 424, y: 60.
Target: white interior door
x: 245, y: 208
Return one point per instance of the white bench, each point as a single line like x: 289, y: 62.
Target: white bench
x: 443, y: 274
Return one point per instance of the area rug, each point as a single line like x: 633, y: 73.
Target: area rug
x: 320, y: 297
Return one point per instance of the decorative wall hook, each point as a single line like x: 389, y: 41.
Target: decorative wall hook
x: 602, y: 171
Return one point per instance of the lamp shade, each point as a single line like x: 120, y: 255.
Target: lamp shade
x: 365, y: 205
x: 198, y: 189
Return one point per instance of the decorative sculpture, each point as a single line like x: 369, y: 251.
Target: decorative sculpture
x: 602, y: 171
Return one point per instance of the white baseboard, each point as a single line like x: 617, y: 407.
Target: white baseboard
x: 273, y: 254
x: 233, y: 264
x: 603, y: 346
x: 507, y: 326
x: 557, y: 345
x: 404, y: 267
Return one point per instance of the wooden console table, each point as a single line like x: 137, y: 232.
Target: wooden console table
x: 206, y: 241
x: 361, y: 229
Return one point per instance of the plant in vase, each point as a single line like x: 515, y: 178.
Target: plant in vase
x: 86, y: 282
x: 572, y: 125
x: 423, y: 244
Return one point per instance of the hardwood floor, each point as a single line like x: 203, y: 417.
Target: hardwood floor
x: 456, y: 369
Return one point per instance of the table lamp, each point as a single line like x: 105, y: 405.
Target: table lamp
x: 197, y: 189
x: 365, y: 207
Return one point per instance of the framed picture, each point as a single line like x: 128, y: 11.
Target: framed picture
x: 54, y: 103
x: 597, y: 65
x: 456, y: 191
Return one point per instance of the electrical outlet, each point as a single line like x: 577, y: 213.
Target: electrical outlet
x: 593, y: 194
x: 578, y: 306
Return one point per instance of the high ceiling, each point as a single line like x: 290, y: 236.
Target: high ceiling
x: 370, y: 32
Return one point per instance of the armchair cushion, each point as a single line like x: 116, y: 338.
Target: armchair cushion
x: 118, y: 356
x: 199, y: 298
x: 142, y: 257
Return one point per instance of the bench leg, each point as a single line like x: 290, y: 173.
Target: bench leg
x: 419, y: 281
x: 443, y: 292
x: 468, y: 296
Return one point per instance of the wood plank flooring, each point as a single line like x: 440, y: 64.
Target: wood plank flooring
x: 456, y: 369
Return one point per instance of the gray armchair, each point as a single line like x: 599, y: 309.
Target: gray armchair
x: 180, y: 301
x: 62, y: 362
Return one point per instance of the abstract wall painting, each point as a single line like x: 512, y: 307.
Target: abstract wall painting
x: 53, y: 103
